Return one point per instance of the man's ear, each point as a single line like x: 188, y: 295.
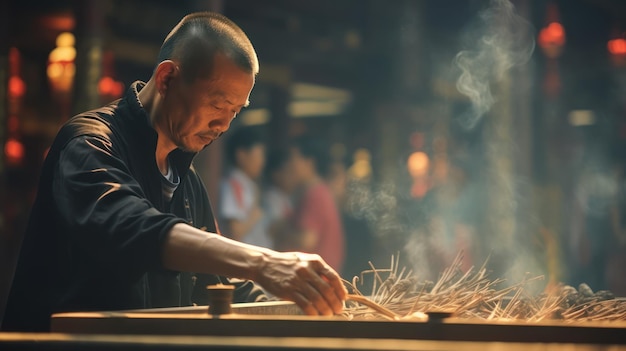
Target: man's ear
x: 165, y: 72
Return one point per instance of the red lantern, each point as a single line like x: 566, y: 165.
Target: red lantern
x: 14, y: 152
x: 108, y: 87
x: 552, y: 39
x: 617, y: 47
x: 17, y: 87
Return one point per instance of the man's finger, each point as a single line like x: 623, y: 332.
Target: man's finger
x: 305, y: 305
x: 334, y: 280
x: 319, y: 301
x: 324, y: 290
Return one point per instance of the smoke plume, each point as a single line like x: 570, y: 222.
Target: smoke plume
x: 499, y: 40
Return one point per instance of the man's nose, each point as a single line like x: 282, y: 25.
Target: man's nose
x: 221, y: 124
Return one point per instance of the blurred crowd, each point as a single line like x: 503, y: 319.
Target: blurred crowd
x: 290, y: 199
x: 302, y: 198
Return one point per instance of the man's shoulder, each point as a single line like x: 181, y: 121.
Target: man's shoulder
x: 98, y: 123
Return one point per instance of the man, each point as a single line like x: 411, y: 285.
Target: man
x: 240, y: 207
x: 118, y: 204
x: 316, y: 219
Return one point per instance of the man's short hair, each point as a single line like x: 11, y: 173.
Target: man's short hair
x: 316, y: 149
x: 198, y: 37
x: 244, y: 138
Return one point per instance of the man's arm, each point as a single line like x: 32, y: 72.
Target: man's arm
x: 303, y: 278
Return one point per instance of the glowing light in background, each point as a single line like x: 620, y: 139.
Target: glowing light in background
x: 65, y: 50
x: 552, y: 34
x: 552, y: 39
x: 108, y: 87
x: 61, y: 68
x: 17, y: 87
x: 580, y: 118
x: 13, y: 148
x: 418, y: 164
x: 14, y: 151
x: 617, y: 47
x: 362, y: 167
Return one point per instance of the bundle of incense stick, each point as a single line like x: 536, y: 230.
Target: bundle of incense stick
x: 399, y: 295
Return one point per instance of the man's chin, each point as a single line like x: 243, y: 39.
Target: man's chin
x: 195, y: 148
x: 196, y: 144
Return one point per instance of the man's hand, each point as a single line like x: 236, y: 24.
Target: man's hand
x: 304, y: 279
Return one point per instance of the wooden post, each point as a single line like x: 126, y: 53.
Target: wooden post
x: 7, y: 250
x: 89, y: 39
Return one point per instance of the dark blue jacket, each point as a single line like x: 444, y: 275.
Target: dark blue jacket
x: 95, y: 234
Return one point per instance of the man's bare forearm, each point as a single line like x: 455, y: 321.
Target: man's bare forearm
x: 191, y: 250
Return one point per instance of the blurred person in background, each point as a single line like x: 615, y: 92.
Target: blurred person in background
x: 316, y: 220
x: 277, y: 195
x: 122, y: 220
x: 240, y: 197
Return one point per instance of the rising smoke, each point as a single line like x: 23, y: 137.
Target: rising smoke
x: 499, y: 40
x: 496, y: 42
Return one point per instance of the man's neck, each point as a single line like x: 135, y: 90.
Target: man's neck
x: 164, y: 147
x: 150, y: 100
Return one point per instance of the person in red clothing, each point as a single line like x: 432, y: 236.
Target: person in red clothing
x: 316, y: 216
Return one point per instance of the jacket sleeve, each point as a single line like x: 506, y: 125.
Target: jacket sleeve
x: 105, y: 210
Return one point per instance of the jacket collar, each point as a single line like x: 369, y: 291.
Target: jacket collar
x: 140, y: 123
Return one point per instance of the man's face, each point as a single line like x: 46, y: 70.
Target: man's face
x: 198, y: 112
